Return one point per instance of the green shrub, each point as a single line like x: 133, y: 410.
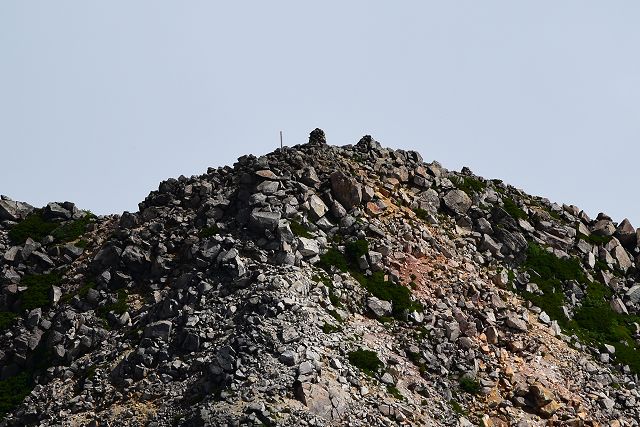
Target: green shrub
x: 469, y: 184
x: 393, y: 391
x: 355, y: 249
x: 209, y: 232
x: 72, y: 230
x: 399, y: 295
x: 469, y: 384
x: 594, y: 239
x: 119, y: 307
x: 6, y: 319
x: 13, y: 390
x: 549, y: 266
x: 594, y: 321
x: 335, y: 315
x: 38, y: 289
x: 34, y: 226
x: 299, y: 230
x: 366, y: 360
x: 513, y: 209
x: 421, y: 214
x: 81, y: 292
x: 457, y: 408
x: 333, y: 258
x: 628, y: 355
x: 328, y: 328
x: 82, y: 243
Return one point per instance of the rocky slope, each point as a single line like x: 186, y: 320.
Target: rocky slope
x: 320, y: 285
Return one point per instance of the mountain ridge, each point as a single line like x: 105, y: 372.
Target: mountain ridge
x: 321, y: 285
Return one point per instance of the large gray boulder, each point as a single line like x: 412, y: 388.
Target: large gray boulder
x: 429, y: 201
x: 261, y: 220
x: 379, y: 307
x: 604, y: 227
x: 13, y: 211
x: 626, y: 234
x: 457, y: 201
x: 623, y: 259
x: 308, y: 247
x: 54, y: 211
x: 317, y: 208
x: 160, y: 329
x: 135, y: 259
x: 346, y: 190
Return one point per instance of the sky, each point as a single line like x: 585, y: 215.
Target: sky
x: 100, y: 101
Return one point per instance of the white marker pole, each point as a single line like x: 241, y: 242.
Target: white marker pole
x: 281, y: 140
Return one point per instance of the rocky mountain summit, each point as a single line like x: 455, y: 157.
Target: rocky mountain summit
x: 320, y: 286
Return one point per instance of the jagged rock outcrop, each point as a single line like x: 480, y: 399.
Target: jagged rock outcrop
x: 320, y: 285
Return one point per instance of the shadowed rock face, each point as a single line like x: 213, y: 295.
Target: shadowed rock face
x: 319, y: 285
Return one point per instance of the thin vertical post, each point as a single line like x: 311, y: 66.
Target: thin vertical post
x: 281, y: 140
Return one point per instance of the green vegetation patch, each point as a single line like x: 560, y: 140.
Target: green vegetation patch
x: 354, y: 250
x: 299, y: 230
x: 81, y: 292
x: 328, y: 328
x: 393, y: 391
x: 13, y: 390
x: 469, y: 384
x: 513, y: 209
x: 469, y: 184
x: 38, y: 290
x: 549, y: 266
x: 6, y: 319
x: 367, y: 361
x: 398, y: 295
x: 594, y: 321
x: 36, y: 227
x: 72, y: 230
x: 457, y: 408
x: 333, y: 258
x: 209, y: 232
x: 118, y: 307
x: 594, y: 239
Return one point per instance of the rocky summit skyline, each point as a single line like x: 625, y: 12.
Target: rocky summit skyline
x: 320, y: 285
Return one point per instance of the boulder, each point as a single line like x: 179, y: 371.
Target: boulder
x: 604, y: 227
x: 108, y: 256
x: 268, y: 187
x: 513, y: 242
x: 634, y: 294
x: 627, y: 235
x: 317, y: 208
x: 13, y: 211
x: 429, y: 201
x: 261, y: 220
x: 346, y: 190
x: 623, y: 259
x: 618, y: 306
x: 457, y: 202
x: 378, y: 307
x: 160, y: 329
x: 310, y: 177
x: 308, y: 247
x: 516, y: 323
x: 56, y: 211
x: 488, y: 244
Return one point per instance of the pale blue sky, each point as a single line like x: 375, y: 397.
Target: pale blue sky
x: 99, y: 101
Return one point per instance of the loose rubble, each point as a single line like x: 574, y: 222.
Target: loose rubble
x: 320, y: 285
